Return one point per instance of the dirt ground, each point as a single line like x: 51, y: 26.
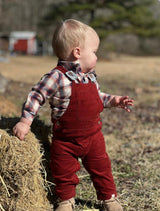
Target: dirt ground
x: 132, y: 139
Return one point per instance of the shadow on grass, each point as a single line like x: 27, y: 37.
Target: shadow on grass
x: 90, y: 204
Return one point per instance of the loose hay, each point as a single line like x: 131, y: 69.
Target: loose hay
x: 22, y: 186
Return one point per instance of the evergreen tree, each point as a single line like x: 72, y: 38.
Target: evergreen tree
x: 108, y: 16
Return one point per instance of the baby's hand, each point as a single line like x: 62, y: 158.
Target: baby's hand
x: 125, y: 103
x: 21, y: 129
x: 122, y: 102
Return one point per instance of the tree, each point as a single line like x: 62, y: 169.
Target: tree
x: 108, y: 16
x: 21, y: 15
x: 130, y: 17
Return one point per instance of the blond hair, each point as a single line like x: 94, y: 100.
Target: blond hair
x: 68, y: 35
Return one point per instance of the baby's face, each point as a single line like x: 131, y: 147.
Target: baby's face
x: 88, y: 56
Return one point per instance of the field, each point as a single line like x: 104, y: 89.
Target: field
x: 132, y: 139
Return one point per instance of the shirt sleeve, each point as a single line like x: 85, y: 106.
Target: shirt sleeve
x: 104, y: 97
x: 44, y: 89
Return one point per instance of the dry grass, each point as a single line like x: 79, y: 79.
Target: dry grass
x: 30, y: 69
x: 26, y: 69
x: 136, y: 167
x: 6, y: 105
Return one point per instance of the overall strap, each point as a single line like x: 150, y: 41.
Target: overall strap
x: 61, y: 68
x: 69, y: 74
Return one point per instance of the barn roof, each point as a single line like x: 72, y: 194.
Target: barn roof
x: 22, y: 34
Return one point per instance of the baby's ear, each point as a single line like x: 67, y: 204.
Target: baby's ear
x: 76, y: 52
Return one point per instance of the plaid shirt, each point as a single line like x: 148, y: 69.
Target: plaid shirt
x: 56, y: 87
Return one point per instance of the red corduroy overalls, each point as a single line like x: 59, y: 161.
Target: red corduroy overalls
x: 77, y: 133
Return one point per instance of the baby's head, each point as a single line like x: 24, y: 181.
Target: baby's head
x: 69, y: 35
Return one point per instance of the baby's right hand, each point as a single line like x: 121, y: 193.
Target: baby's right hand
x: 21, y: 129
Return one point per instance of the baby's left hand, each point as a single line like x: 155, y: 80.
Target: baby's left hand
x: 123, y: 102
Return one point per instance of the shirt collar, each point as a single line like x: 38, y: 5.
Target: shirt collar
x: 74, y: 66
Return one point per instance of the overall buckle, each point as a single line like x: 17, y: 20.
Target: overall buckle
x: 92, y: 77
x: 71, y: 75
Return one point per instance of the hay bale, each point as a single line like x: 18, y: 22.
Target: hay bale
x: 22, y: 186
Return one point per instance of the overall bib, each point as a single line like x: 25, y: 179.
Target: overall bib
x: 77, y: 133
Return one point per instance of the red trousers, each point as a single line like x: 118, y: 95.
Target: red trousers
x: 64, y: 165
x: 77, y: 133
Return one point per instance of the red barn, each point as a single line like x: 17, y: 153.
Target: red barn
x: 23, y: 42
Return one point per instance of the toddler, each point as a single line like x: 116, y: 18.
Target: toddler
x: 76, y: 103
